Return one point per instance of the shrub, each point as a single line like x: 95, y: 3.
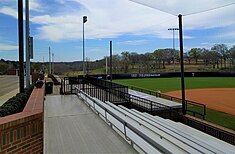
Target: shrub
x: 39, y: 83
x: 15, y: 104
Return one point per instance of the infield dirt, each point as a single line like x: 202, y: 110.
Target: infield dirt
x: 220, y: 99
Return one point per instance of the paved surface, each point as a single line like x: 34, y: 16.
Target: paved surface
x: 8, y: 83
x: 71, y: 127
x: 8, y: 87
x: 220, y: 99
x: 7, y: 96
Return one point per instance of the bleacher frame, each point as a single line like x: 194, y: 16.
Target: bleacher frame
x: 118, y: 95
x: 154, y: 135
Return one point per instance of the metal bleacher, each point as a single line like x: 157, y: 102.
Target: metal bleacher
x: 153, y: 134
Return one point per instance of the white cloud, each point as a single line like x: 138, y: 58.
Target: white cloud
x: 4, y: 47
x: 208, y: 45
x: 9, y: 11
x: 107, y: 19
x: 113, y: 18
x: 11, y: 8
x: 230, y: 34
x: 133, y: 42
x: 35, y: 5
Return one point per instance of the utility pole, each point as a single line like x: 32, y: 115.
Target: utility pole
x: 53, y: 65
x: 111, y: 61
x: 106, y: 67
x: 173, y: 29
x: 21, y: 45
x: 49, y: 61
x: 182, y: 64
x: 87, y: 65
x: 27, y: 45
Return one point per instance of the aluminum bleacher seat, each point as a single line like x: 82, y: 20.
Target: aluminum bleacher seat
x: 189, y: 132
x: 154, y: 134
x: 178, y: 137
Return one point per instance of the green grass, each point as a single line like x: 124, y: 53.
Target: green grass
x: 172, y: 84
x: 215, y: 117
x: 220, y: 118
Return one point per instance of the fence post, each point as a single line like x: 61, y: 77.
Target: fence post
x: 204, y: 106
x: 170, y: 112
x: 83, y: 84
x: 186, y: 105
x: 71, y: 89
x: 64, y: 85
x: 151, y: 107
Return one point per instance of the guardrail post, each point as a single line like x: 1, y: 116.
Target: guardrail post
x: 151, y: 107
x: 64, y: 86
x: 170, y: 112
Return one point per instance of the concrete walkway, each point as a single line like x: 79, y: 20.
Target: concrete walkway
x: 71, y: 127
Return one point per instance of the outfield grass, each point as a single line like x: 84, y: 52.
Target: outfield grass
x: 172, y: 84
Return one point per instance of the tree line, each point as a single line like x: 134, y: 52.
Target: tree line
x: 218, y: 57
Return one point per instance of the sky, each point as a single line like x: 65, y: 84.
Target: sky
x: 133, y: 25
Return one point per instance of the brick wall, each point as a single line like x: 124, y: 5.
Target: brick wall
x: 23, y: 132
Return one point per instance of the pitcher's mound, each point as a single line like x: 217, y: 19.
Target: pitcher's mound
x: 220, y: 99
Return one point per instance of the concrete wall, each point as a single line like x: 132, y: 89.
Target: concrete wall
x: 23, y: 132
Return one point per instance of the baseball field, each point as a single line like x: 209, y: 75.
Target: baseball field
x: 217, y: 93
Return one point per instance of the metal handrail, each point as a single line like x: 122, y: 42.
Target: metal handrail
x: 175, y: 98
x: 126, y: 124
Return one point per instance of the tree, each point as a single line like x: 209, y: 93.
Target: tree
x: 186, y: 55
x: 116, y: 63
x: 3, y: 67
x: 133, y: 59
x: 125, y: 55
x: 222, y: 49
x: 36, y: 67
x: 195, y: 53
x: 158, y: 56
x: 232, y: 55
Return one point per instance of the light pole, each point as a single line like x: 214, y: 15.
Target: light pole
x: 173, y: 29
x: 83, y: 45
x: 27, y: 45
x: 111, y: 60
x: 49, y: 61
x: 21, y: 45
x: 182, y: 64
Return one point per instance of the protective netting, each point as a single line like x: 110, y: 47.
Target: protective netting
x: 185, y: 7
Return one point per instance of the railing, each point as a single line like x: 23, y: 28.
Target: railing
x: 117, y: 94
x: 144, y: 90
x: 154, y: 108
x: 69, y: 84
x: 192, y: 108
x: 143, y: 141
x: 114, y: 95
x: 56, y: 80
x: 211, y: 129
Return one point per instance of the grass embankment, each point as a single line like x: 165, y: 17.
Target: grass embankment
x: 172, y: 84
